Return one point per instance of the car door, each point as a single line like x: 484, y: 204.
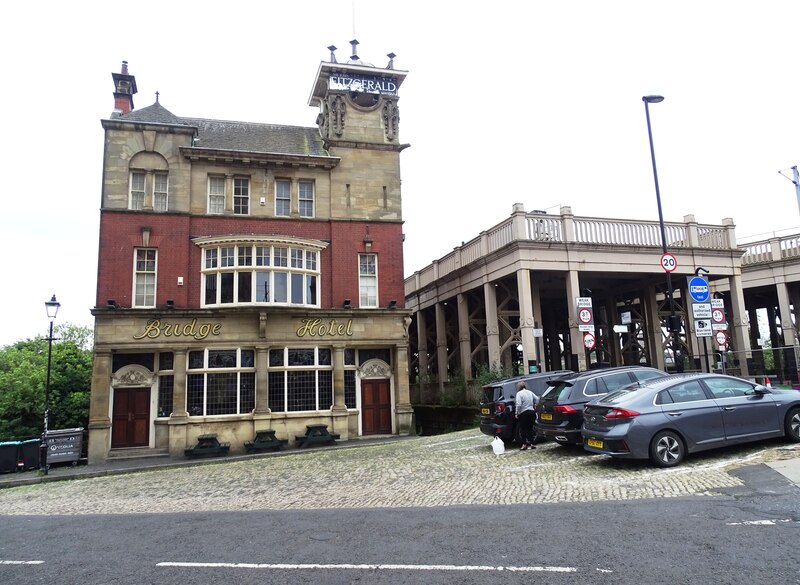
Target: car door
x: 746, y: 414
x: 696, y: 416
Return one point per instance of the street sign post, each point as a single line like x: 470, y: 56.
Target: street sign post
x: 585, y: 314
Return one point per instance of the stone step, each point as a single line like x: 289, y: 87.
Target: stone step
x: 137, y: 453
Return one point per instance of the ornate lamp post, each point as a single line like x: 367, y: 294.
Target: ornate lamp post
x: 52, y: 310
x: 674, y: 323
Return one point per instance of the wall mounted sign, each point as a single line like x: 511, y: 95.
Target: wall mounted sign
x: 321, y: 328
x: 361, y: 83
x: 155, y: 328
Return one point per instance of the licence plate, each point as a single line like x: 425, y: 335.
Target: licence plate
x: 486, y: 411
x: 546, y: 416
x: 594, y: 443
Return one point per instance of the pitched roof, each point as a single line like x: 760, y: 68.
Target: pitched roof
x: 248, y: 136
x: 238, y: 136
x: 155, y: 114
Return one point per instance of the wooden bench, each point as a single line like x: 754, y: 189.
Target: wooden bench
x: 316, y: 435
x: 265, y: 441
x: 207, y: 445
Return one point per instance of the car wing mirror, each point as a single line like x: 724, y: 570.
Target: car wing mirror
x: 761, y: 389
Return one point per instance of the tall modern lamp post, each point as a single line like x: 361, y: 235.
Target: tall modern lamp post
x: 673, y: 324
x: 52, y: 310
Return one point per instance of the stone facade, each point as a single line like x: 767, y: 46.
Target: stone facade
x: 250, y: 275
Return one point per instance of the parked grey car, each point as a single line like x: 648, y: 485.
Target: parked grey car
x: 663, y: 419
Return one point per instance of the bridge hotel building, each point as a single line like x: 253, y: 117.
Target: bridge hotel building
x: 250, y: 275
x: 512, y: 296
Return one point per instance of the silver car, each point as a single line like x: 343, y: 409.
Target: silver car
x: 663, y: 419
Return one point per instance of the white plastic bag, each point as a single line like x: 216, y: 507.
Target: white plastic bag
x: 498, y: 446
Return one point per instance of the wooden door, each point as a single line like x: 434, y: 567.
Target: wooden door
x: 376, y: 407
x: 130, y: 425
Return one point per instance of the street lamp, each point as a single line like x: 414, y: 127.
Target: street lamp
x: 673, y: 324
x: 52, y: 310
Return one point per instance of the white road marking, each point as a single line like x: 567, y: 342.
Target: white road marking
x: 759, y: 522
x: 21, y: 562
x: 368, y: 567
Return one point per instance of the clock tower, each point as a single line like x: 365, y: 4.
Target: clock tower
x: 359, y: 121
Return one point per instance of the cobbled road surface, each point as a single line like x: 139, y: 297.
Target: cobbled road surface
x: 445, y: 470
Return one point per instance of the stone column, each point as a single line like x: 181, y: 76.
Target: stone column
x: 575, y: 335
x: 492, y: 325
x: 402, y: 409
x: 526, y: 317
x: 338, y: 409
x: 441, y: 345
x: 464, y: 345
x: 99, y: 408
x: 179, y: 419
x: 652, y: 321
x: 740, y: 328
x: 536, y: 309
x: 787, y: 328
x: 422, y: 347
x: 262, y: 380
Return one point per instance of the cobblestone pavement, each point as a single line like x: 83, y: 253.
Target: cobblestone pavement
x: 445, y: 470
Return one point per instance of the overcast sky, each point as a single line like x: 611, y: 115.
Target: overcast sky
x: 505, y: 102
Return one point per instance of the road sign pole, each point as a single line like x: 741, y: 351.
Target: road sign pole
x: 705, y: 352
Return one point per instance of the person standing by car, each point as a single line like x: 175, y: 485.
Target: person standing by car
x: 524, y: 409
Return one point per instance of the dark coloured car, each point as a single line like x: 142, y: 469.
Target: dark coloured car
x: 663, y: 420
x: 560, y: 410
x: 497, y: 403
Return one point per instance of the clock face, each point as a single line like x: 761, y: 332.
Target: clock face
x: 365, y: 100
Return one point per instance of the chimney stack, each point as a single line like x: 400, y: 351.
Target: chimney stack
x: 124, y: 88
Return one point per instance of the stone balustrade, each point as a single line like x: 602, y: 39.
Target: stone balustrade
x: 565, y: 228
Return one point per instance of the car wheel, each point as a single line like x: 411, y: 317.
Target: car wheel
x: 666, y: 449
x: 792, y: 425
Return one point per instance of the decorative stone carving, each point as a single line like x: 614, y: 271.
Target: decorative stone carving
x: 376, y: 368
x: 336, y: 116
x: 406, y: 324
x: 391, y: 119
x: 133, y: 375
x: 323, y: 120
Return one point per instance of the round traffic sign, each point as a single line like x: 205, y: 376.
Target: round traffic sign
x: 721, y: 337
x: 718, y: 316
x: 585, y: 316
x: 698, y: 289
x: 588, y: 340
x: 668, y: 262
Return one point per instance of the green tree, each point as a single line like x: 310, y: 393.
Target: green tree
x: 23, y: 374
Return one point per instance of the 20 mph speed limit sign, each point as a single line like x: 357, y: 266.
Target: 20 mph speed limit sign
x: 668, y: 262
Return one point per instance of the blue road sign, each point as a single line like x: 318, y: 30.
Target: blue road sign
x: 698, y: 289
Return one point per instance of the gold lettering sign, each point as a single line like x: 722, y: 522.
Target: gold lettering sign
x: 156, y: 328
x: 321, y: 328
